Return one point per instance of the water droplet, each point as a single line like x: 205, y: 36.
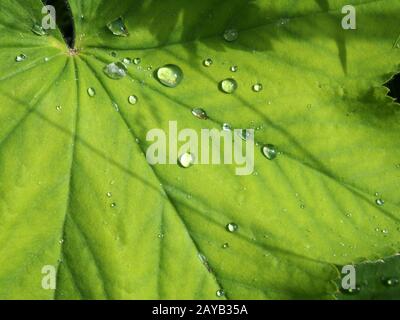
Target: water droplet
x: 231, y: 35
x: 137, y: 61
x: 160, y: 235
x: 113, y: 54
x: 244, y: 134
x: 232, y: 227
x: 385, y: 231
x: 113, y: 205
x: 269, y: 151
x: 352, y: 291
x: 46, y: 59
x: 257, y: 87
x: 127, y: 61
x: 207, y: 62
x: 58, y: 108
x: 91, y: 92
x: 186, y: 160
x: 228, y: 85
x: 234, y: 68
x: 225, y: 245
x: 118, y: 28
x: 109, y: 194
x: 116, y: 106
x: 133, y: 99
x: 21, y: 57
x: 302, y: 206
x: 200, y: 113
x: 220, y: 293
x: 39, y: 30
x: 61, y: 241
x: 379, y: 202
x: 115, y: 70
x: 226, y: 127
x: 390, y: 282
x: 170, y: 75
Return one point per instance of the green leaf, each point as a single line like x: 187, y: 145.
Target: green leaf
x: 77, y: 193
x: 376, y: 281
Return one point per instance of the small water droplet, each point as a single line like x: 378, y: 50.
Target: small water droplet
x: 228, y: 85
x: 231, y: 35
x: 225, y: 245
x: 46, y: 59
x: 127, y: 61
x: 269, y: 151
x: 61, y: 241
x: 390, y: 282
x: 160, y: 235
x: 352, y: 291
x: 38, y: 30
x: 137, y: 61
x: 234, y: 68
x: 257, y: 87
x: 116, y: 106
x: 133, y: 99
x: 220, y: 293
x: 116, y: 70
x: 118, y: 28
x: 207, y: 62
x: 244, y: 134
x: 109, y: 194
x: 232, y: 227
x: 58, y: 108
x: 170, y: 75
x: 200, y: 113
x: 226, y: 127
x: 380, y: 202
x: 186, y: 160
x: 21, y: 57
x: 385, y: 231
x: 91, y: 92
x: 113, y: 205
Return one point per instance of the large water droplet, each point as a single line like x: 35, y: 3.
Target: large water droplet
x: 170, y: 75
x: 118, y: 28
x: 269, y: 151
x: 39, y: 30
x: 115, y: 70
x: 186, y: 160
x: 200, y: 113
x: 232, y: 227
x: 133, y: 99
x: 207, y: 62
x: 21, y: 57
x: 231, y: 35
x: 91, y: 92
x: 228, y: 85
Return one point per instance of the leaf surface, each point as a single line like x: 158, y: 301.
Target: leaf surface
x: 76, y: 191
